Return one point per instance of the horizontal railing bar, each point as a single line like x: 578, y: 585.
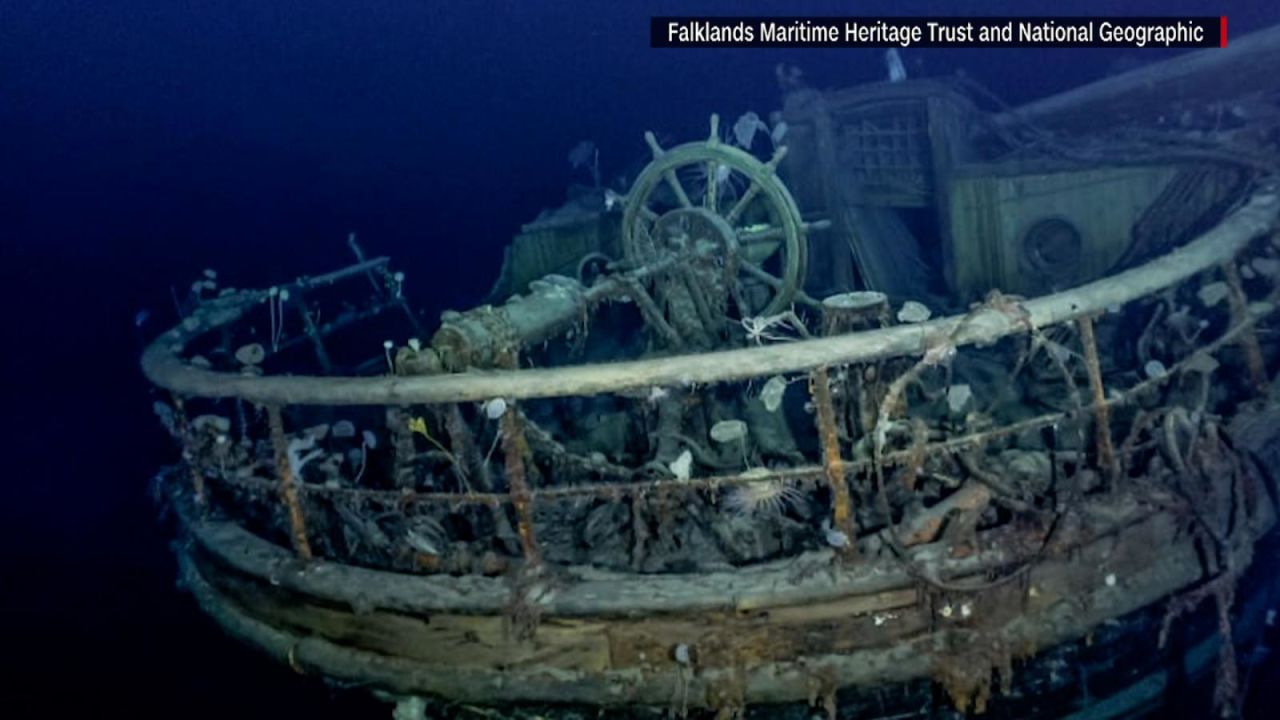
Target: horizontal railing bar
x: 165, y: 368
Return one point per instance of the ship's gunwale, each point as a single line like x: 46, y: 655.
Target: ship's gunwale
x: 1077, y: 587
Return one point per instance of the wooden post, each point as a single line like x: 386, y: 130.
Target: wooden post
x: 1101, y: 411
x: 842, y: 503
x: 288, y: 486
x: 1249, y: 337
x: 851, y: 311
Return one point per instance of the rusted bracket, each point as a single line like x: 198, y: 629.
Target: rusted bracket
x: 288, y: 484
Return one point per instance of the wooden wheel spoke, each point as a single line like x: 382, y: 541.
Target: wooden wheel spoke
x: 674, y: 182
x: 682, y: 192
x: 740, y: 207
x: 761, y: 236
x: 755, y: 271
x: 710, y: 197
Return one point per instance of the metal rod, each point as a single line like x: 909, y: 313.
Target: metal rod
x: 313, y: 332
x: 340, y: 322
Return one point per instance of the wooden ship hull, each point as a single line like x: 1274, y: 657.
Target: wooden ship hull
x: 439, y: 525
x: 759, y: 637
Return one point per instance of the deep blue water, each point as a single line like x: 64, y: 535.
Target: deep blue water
x: 141, y: 142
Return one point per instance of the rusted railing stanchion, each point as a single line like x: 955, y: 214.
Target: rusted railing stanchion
x: 841, y: 500
x: 515, y: 447
x: 184, y: 431
x: 1101, y: 411
x: 288, y: 484
x: 1249, y: 338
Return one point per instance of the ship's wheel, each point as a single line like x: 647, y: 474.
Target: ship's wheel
x: 722, y: 204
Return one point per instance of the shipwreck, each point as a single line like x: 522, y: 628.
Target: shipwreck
x: 908, y: 401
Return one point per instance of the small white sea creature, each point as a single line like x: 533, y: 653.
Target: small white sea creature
x: 681, y: 654
x: 745, y: 129
x: 1267, y: 267
x: 723, y: 172
x: 1154, y: 369
x: 958, y: 396
x: 966, y: 609
x: 727, y: 431
x: 1110, y: 579
x: 368, y: 441
x: 612, y: 199
x: 582, y: 154
x: 415, y: 344
x: 758, y: 328
x: 386, y: 350
x: 297, y: 460
x: 682, y: 465
x: 495, y: 408
x: 1213, y: 293
x: 913, y: 312
x: 835, y: 538
x: 251, y: 354
x: 766, y: 499
x: 771, y: 393
x: 946, y: 611
x: 657, y: 394
x: 779, y: 132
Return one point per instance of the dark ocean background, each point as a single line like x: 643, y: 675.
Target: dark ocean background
x: 141, y: 142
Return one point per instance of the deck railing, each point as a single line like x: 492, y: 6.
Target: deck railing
x: 870, y: 459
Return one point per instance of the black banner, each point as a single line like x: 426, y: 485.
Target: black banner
x: 904, y: 32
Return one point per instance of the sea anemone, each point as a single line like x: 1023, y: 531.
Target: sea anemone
x: 769, y: 498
